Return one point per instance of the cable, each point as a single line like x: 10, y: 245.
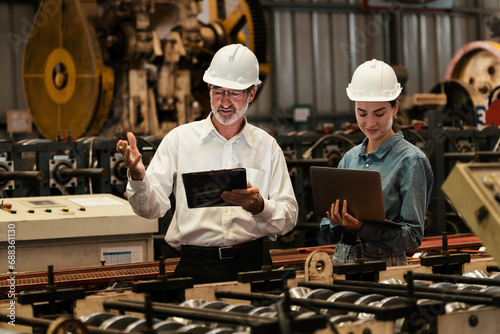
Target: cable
x: 452, y: 140
x: 90, y: 163
x: 419, y: 137
x: 307, y: 154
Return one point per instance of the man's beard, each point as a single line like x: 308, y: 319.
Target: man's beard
x: 233, y: 117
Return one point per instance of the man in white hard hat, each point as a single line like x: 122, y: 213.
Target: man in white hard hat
x: 406, y: 175
x: 217, y: 242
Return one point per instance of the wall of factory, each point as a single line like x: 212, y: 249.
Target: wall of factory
x: 315, y: 45
x: 318, y: 44
x: 15, y: 22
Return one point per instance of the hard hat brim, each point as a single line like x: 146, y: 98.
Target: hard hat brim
x: 387, y: 98
x: 227, y: 83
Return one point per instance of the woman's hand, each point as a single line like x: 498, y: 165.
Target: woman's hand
x: 342, y: 218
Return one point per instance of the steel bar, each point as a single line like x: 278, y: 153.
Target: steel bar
x: 455, y: 279
x: 89, y: 172
x: 22, y: 175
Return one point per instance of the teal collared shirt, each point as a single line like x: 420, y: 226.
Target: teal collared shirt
x: 407, y: 180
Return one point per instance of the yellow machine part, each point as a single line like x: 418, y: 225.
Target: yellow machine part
x: 245, y: 18
x: 66, y: 85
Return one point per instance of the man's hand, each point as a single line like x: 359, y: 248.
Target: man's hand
x: 343, y: 218
x: 249, y: 199
x: 132, y: 157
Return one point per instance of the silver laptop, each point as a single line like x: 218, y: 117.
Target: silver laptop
x: 361, y: 188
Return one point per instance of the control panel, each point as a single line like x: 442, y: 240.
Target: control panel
x: 73, y: 231
x: 71, y: 216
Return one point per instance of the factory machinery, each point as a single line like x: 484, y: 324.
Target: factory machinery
x: 306, y: 294
x: 139, y: 68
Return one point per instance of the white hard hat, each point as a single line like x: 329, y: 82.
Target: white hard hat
x: 234, y: 66
x: 374, y: 80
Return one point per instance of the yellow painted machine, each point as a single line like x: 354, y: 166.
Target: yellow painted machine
x: 92, y: 67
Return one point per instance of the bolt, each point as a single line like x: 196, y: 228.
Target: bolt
x: 473, y: 321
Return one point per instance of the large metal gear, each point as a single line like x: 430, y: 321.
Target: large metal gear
x: 245, y: 19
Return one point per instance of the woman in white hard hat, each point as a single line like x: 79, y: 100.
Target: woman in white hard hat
x: 406, y: 174
x: 216, y: 243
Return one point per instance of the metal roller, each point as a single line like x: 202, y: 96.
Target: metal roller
x: 119, y: 322
x: 366, y: 300
x: 341, y: 296
x: 167, y: 325
x: 193, y: 329
x: 342, y: 319
x: 139, y: 326
x: 214, y: 305
x: 222, y: 330
x: 455, y: 307
x: 239, y: 308
x: 96, y: 319
x: 190, y: 303
x: 323, y: 294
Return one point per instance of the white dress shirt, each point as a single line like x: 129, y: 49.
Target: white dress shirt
x: 196, y: 147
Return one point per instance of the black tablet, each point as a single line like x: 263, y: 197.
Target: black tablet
x: 203, y: 189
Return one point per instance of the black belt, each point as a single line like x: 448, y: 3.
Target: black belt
x: 222, y: 253
x: 348, y: 238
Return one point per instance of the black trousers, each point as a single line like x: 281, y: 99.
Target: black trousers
x: 220, y: 264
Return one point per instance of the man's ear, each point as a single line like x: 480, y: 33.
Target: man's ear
x: 252, y: 93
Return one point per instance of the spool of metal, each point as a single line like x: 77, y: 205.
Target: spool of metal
x: 221, y: 330
x: 394, y: 281
x: 119, y: 322
x: 477, y: 64
x: 342, y: 319
x: 322, y: 294
x: 193, y: 329
x: 299, y: 291
x: 214, y: 305
x: 239, y: 308
x: 167, y: 325
x: 366, y: 300
x: 455, y: 307
x: 96, y: 319
x: 139, y: 326
x: 443, y: 285
x: 341, y: 296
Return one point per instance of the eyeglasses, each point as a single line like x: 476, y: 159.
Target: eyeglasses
x: 235, y: 94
